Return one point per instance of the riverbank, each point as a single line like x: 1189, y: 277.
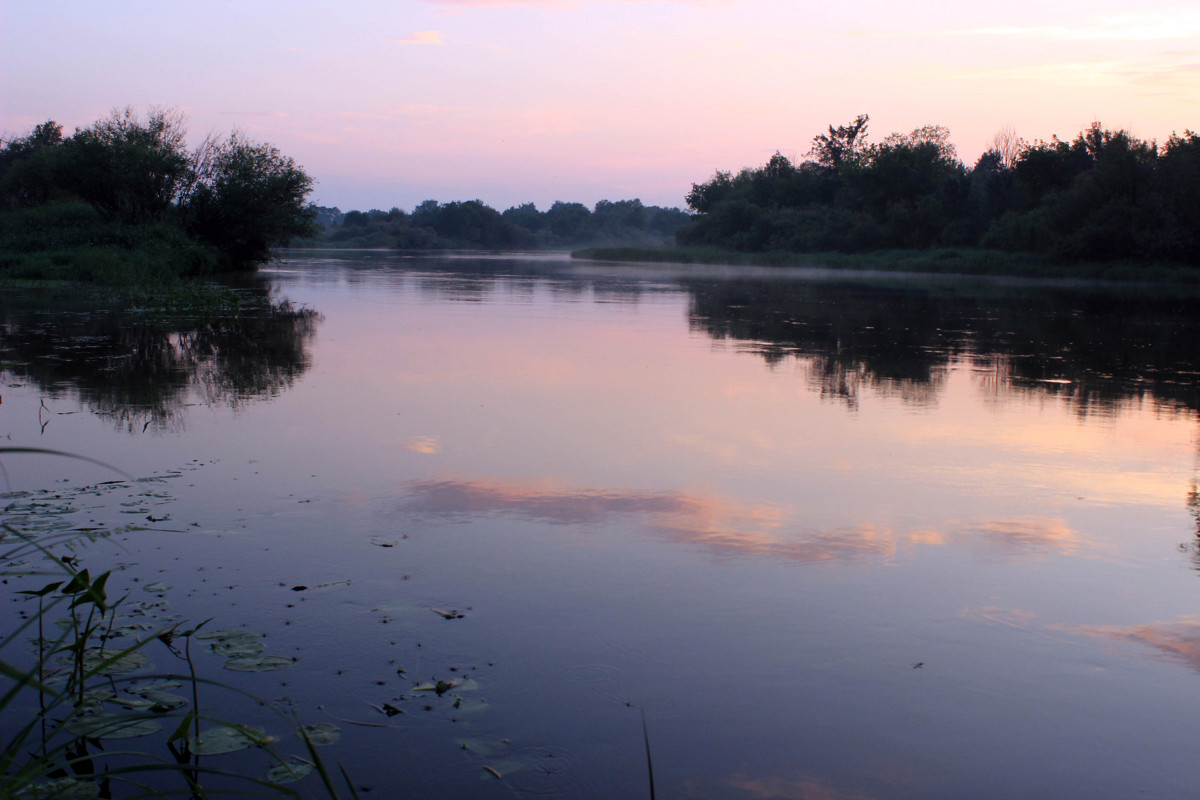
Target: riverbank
x: 957, y: 261
x: 72, y: 241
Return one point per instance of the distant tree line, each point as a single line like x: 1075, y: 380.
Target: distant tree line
x: 1104, y: 195
x: 132, y: 184
x: 473, y: 225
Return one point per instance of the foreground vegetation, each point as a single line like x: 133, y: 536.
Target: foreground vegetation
x: 474, y: 225
x: 1104, y: 196
x: 125, y: 202
x: 88, y: 718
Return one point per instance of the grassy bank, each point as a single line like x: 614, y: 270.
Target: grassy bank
x: 955, y: 261
x: 73, y: 242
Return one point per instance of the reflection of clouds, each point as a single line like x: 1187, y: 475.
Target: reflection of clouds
x: 1174, y: 641
x: 801, y: 788
x: 426, y: 445
x: 1020, y: 536
x: 1010, y: 617
x: 724, y: 525
x: 715, y: 522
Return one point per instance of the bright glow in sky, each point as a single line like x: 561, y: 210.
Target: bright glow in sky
x: 390, y: 102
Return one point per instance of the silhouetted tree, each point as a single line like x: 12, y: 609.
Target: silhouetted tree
x: 244, y: 198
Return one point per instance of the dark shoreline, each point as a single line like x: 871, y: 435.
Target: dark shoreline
x: 943, y: 261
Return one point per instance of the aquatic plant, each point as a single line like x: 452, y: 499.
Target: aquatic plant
x: 88, y: 686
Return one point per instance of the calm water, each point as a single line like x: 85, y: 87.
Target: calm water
x: 833, y: 538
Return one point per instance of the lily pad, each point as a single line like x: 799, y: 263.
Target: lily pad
x: 241, y: 647
x: 439, y: 688
x: 481, y: 747
x: 61, y: 789
x: 323, y: 733
x: 289, y: 772
x: 164, y: 701
x: 332, y: 584
x: 257, y: 663
x: 122, y: 664
x: 226, y: 739
x: 112, y: 726
x: 229, y: 634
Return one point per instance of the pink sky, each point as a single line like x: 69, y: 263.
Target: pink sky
x: 387, y: 103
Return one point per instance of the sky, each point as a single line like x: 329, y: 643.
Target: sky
x: 391, y: 102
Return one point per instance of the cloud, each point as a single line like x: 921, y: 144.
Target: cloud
x: 423, y: 37
x: 1133, y: 26
x: 457, y: 4
x: 1160, y: 72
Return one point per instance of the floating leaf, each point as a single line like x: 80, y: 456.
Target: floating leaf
x: 61, y: 789
x: 129, y: 662
x: 332, y: 584
x: 289, y: 772
x: 323, y: 733
x: 481, y: 747
x: 164, y: 701
x: 226, y: 739
x: 133, y: 703
x: 230, y: 643
x: 156, y: 588
x: 439, y: 688
x: 448, y: 614
x: 469, y: 706
x: 156, y: 686
x: 229, y: 633
x: 112, y: 726
x: 257, y: 663
x: 238, y: 648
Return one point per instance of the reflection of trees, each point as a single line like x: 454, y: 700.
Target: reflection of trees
x: 1095, y: 349
x: 140, y: 370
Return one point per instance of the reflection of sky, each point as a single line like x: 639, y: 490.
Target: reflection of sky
x: 1174, y: 641
x: 605, y: 488
x: 723, y: 525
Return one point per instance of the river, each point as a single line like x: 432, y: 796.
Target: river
x: 794, y: 534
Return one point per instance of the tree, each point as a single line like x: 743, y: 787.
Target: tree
x: 1008, y: 146
x: 128, y: 169
x: 30, y: 166
x: 244, y: 198
x: 704, y: 196
x: 845, y: 143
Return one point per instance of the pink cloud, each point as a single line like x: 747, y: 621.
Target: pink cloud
x: 423, y: 37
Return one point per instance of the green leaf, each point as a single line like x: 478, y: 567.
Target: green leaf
x: 289, y: 772
x: 323, y: 733
x: 226, y: 739
x: 257, y: 663
x: 122, y: 662
x: 61, y: 789
x: 181, y: 732
x: 42, y: 592
x: 112, y: 726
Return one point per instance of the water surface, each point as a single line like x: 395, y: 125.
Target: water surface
x: 834, y: 537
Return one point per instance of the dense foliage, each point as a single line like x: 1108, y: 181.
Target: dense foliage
x: 473, y: 225
x: 1104, y: 195
x: 126, y: 194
